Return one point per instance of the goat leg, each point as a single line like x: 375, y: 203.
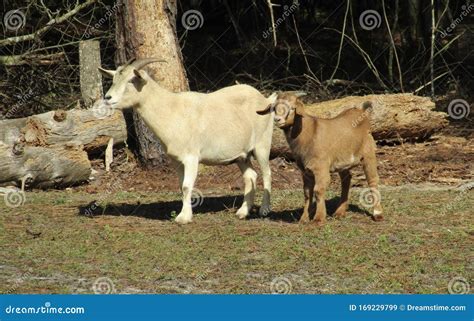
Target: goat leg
x: 308, y: 181
x: 370, y: 168
x: 322, y: 181
x: 345, y: 186
x: 190, y: 171
x: 250, y: 182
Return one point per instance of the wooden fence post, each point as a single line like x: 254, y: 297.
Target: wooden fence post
x: 91, y: 79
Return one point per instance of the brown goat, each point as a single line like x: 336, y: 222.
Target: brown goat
x: 321, y: 146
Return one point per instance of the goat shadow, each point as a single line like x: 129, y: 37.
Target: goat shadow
x: 209, y: 204
x: 161, y: 210
x: 294, y: 215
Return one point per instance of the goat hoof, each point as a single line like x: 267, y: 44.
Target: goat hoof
x: 304, y: 220
x: 183, y: 219
x: 242, y: 213
x: 318, y: 222
x: 378, y: 217
x: 339, y: 214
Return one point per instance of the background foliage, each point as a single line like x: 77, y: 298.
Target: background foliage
x: 234, y: 42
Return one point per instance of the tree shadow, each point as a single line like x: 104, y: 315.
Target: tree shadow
x: 162, y: 210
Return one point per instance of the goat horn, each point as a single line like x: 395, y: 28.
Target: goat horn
x: 140, y: 63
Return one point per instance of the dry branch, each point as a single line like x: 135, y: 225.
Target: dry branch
x: 394, y: 48
x: 270, y: 7
x: 49, y: 25
x: 30, y: 59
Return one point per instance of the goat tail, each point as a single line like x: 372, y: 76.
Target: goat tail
x: 367, y: 105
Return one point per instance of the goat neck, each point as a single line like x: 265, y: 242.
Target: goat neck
x: 156, y: 108
x: 151, y: 93
x: 301, y: 130
x: 300, y: 135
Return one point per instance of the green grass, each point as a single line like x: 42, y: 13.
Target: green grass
x: 425, y: 240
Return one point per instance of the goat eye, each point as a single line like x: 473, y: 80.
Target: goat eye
x: 280, y: 110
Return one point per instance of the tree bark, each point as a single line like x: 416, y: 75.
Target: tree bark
x: 147, y: 29
x: 393, y: 117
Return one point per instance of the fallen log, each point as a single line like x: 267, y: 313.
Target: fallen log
x: 77, y: 126
x: 51, y: 149
x: 393, y: 117
x: 58, y: 166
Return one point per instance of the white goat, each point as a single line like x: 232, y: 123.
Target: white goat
x: 217, y: 128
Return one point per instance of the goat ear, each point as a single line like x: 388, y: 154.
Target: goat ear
x: 139, y: 75
x: 266, y: 110
x: 107, y: 73
x: 300, y: 110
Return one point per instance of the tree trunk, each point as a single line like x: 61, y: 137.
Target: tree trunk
x: 147, y: 29
x: 393, y: 117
